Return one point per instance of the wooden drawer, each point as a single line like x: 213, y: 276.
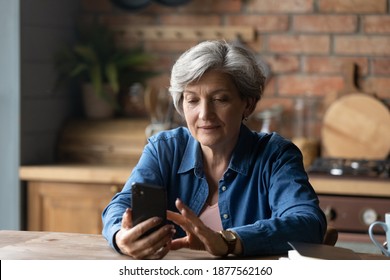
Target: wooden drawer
x: 67, y: 207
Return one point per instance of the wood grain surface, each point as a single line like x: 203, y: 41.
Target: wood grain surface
x: 356, y: 126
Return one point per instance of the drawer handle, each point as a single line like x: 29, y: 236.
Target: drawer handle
x: 330, y: 213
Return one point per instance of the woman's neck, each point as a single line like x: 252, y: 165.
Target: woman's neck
x: 214, y: 165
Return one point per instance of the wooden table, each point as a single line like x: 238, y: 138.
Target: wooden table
x: 35, y: 245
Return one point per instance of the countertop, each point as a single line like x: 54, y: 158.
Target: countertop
x: 118, y: 174
x: 77, y: 173
x: 337, y: 185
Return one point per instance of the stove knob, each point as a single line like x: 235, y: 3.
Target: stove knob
x: 369, y: 216
x: 330, y: 213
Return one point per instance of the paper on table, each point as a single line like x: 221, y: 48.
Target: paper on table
x: 319, y: 252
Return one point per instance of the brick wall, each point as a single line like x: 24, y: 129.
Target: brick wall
x: 305, y: 42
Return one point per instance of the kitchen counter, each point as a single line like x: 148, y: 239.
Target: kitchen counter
x: 372, y: 187
x: 63, y: 197
x: 118, y: 174
x: 82, y: 173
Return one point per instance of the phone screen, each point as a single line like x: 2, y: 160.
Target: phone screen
x: 148, y: 201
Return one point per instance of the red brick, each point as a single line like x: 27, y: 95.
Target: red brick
x: 262, y: 23
x: 256, y: 46
x: 353, y: 6
x: 376, y: 24
x: 280, y: 6
x: 333, y: 64
x: 168, y: 47
x: 325, y: 23
x: 270, y: 88
x: 282, y: 63
x: 380, y: 66
x: 315, y: 85
x: 128, y: 20
x: 268, y: 101
x: 380, y: 86
x: 362, y: 45
x: 299, y: 44
x: 190, y: 20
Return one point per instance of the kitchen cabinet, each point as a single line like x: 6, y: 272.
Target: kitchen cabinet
x: 70, y: 198
x: 67, y: 207
x: 95, y: 160
x: 351, y: 204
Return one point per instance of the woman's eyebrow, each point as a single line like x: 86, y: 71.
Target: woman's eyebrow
x: 213, y: 91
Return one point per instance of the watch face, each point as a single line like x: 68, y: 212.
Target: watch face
x: 229, y: 236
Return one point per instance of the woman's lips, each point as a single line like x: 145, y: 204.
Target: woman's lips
x: 208, y: 127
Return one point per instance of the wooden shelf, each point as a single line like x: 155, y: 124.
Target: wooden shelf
x: 186, y: 33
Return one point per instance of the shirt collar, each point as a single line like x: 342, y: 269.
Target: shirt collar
x: 242, y: 153
x: 241, y: 157
x: 192, y: 157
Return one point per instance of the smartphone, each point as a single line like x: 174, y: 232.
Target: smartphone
x: 148, y: 201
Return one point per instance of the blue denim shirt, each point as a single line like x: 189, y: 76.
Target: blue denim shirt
x: 264, y: 195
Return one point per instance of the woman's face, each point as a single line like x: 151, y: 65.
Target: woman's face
x: 214, y: 110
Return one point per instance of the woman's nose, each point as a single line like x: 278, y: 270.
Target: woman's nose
x: 205, y: 110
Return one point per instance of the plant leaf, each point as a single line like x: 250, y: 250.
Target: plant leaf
x: 112, y: 76
x: 86, y: 53
x: 96, y: 80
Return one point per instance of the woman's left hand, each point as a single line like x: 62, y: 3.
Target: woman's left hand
x: 199, y: 236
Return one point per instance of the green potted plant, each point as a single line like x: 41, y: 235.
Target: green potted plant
x: 101, y: 68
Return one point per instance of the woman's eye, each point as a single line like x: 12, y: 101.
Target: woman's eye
x: 220, y: 100
x: 191, y: 101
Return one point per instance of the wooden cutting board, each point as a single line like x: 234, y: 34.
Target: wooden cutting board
x: 356, y: 126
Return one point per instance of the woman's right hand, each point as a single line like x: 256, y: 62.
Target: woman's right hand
x: 153, y: 246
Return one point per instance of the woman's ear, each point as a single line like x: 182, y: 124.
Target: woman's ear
x: 250, y: 106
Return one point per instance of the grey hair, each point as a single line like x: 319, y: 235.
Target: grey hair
x: 238, y: 62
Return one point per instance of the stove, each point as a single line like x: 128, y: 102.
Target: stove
x: 353, y: 202
x: 351, y: 167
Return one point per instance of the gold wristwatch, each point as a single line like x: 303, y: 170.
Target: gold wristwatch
x: 230, y: 238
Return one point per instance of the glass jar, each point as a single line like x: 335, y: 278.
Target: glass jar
x: 306, y: 127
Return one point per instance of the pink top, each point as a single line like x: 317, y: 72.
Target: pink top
x: 210, y: 217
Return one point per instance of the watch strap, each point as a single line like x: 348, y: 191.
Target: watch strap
x: 230, y: 243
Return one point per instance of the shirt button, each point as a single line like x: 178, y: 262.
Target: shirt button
x: 223, y: 188
x: 225, y: 216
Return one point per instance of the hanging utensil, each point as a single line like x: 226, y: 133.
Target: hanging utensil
x: 131, y: 4
x: 172, y: 2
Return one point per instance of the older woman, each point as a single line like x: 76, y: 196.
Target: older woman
x: 230, y: 190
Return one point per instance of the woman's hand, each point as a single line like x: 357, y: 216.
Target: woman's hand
x: 199, y: 236
x: 153, y: 246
